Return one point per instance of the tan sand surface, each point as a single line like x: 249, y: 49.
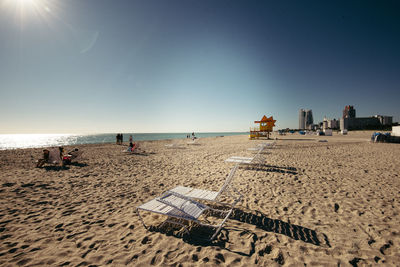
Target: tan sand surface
x: 333, y: 203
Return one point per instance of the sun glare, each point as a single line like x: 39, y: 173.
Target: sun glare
x: 26, y: 2
x: 25, y: 5
x: 25, y: 10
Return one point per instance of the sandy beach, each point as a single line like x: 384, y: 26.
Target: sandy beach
x: 313, y: 203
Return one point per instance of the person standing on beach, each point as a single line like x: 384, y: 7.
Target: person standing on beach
x: 130, y: 139
x: 117, y: 139
x: 122, y: 139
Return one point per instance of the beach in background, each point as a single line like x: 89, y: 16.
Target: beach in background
x: 316, y: 201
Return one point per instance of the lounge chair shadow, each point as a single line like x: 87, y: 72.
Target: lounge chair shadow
x: 79, y: 164
x: 144, y: 154
x: 293, y: 231
x: 55, y: 168
x: 199, y: 236
x: 297, y: 139
x: 272, y: 168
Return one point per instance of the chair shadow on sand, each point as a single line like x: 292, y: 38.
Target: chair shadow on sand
x: 272, y: 168
x: 79, y: 164
x: 55, y: 168
x: 66, y: 167
x: 199, y: 236
x: 143, y: 154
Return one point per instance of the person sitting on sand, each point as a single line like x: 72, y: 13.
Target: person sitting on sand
x: 45, y: 158
x: 61, y: 149
x: 73, y: 151
x: 51, y: 156
x: 71, y: 155
x: 132, y: 146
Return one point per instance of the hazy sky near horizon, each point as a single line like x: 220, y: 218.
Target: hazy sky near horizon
x: 85, y: 66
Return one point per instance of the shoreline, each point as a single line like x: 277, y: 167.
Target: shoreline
x: 52, y: 140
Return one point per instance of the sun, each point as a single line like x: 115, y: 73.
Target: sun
x: 26, y: 2
x: 23, y: 4
x: 33, y: 6
x: 27, y: 10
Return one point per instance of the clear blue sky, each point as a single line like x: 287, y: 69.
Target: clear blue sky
x: 84, y: 66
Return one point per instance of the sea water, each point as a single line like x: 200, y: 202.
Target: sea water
x: 13, y: 141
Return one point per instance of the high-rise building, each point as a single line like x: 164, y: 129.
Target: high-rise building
x: 309, y: 118
x: 349, y: 112
x: 305, y: 119
x: 302, y: 119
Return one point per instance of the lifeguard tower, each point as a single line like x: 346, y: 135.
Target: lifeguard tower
x: 262, y: 131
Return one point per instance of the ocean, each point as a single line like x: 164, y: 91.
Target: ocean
x: 14, y: 141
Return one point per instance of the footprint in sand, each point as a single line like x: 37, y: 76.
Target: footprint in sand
x: 195, y: 257
x: 219, y: 258
x: 385, y: 247
x: 146, y: 240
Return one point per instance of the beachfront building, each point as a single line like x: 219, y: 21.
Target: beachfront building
x: 350, y: 122
x: 385, y: 120
x: 302, y: 119
x: 309, y: 119
x: 368, y: 123
x: 330, y: 124
x: 349, y: 112
x: 305, y: 119
x: 333, y: 124
x: 325, y: 124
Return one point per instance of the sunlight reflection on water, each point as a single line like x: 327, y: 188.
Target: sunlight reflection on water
x: 10, y: 141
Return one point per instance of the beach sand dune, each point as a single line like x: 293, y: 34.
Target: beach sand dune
x: 319, y: 203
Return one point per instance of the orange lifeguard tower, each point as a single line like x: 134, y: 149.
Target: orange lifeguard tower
x: 266, y: 125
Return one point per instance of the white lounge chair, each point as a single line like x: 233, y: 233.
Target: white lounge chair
x: 209, y: 195
x: 182, y: 209
x: 258, y: 159
x: 263, y: 146
x: 193, y: 142
x: 174, y: 145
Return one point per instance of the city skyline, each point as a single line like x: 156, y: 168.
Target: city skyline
x: 183, y: 66
x: 348, y: 121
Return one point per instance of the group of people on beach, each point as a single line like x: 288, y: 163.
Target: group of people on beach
x: 132, y: 145
x: 120, y: 139
x: 193, y: 136
x: 56, y: 156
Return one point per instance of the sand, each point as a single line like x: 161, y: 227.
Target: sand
x: 315, y: 203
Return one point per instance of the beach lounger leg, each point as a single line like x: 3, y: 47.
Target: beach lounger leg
x: 141, y: 219
x: 220, y: 226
